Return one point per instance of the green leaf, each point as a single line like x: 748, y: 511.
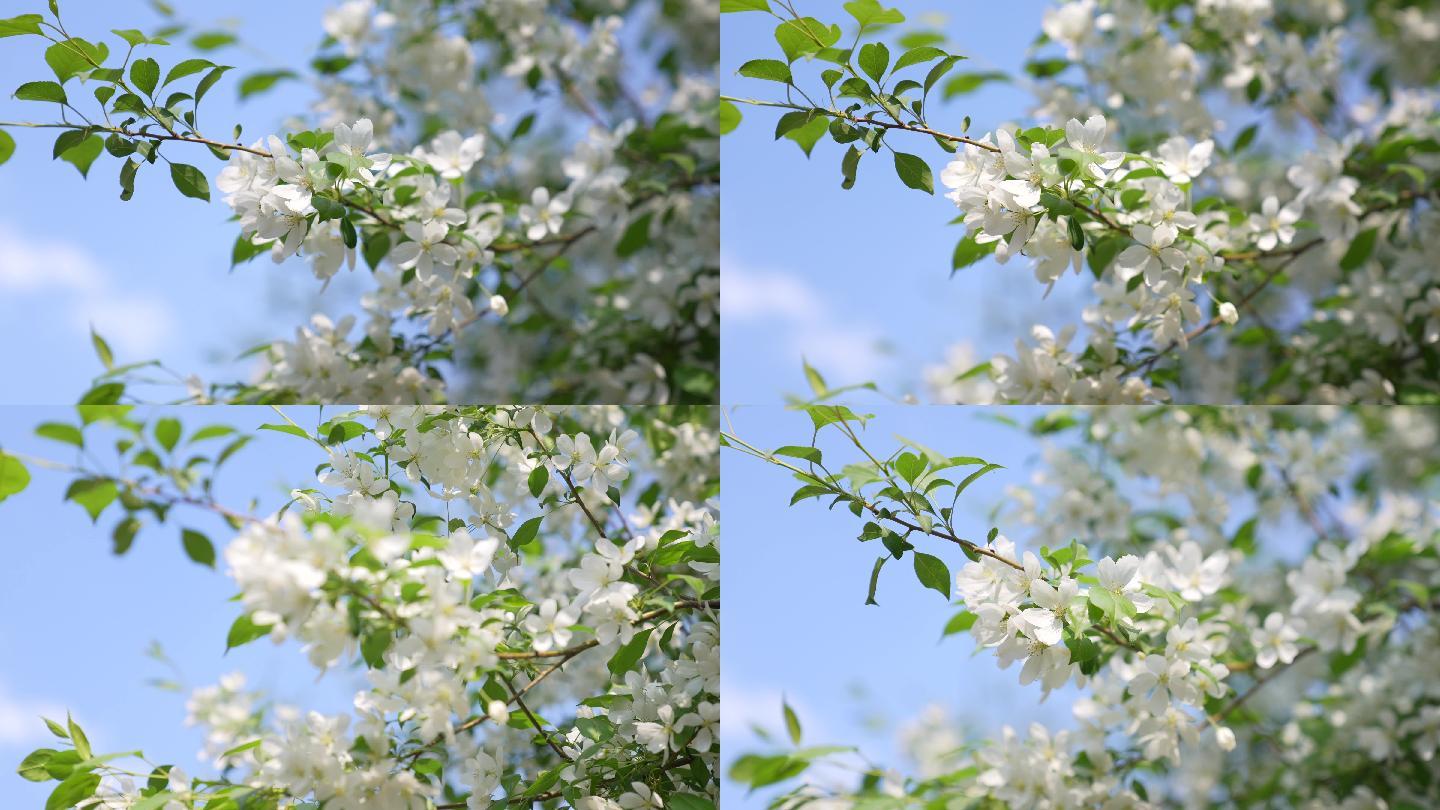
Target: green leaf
x: 729, y: 119
x: 1077, y: 233
x: 811, y: 454
x: 968, y: 252
x: 628, y: 656
x: 83, y: 155
x: 212, y: 40
x: 33, y: 766
x: 77, y: 736
x: 938, y: 71
x: 260, y: 82
x: 1244, y: 139
x: 127, y: 179
x: 243, y: 631
x: 167, y: 432
x: 79, y: 785
x: 293, y: 430
x: 1045, y: 68
x: 187, y: 68
x: 792, y: 121
x: 69, y: 58
x: 526, y: 533
x: 959, y: 623
x: 874, y: 59
x: 1104, y: 600
x: 805, y: 36
x: 848, y: 166
x: 198, y: 547
x: 374, y: 646
x: 875, y: 580
x: 768, y: 69
x: 69, y: 139
x: 13, y: 476
x: 1360, y: 249
x: 688, y: 801
x: 19, y: 26
x: 41, y: 91
x: 792, y: 722
x: 209, y: 81
x: 124, y: 535
x: 539, y: 477
x: 732, y: 6
x: 809, y: 134
x: 915, y: 56
x: 635, y: 237
x: 870, y: 12
x: 932, y: 572
x: 102, y: 350
x: 61, y: 432
x: 135, y: 38
x: 191, y: 181
x: 92, y: 494
x: 145, y: 73
x: 969, y: 82
x: 972, y: 477
x: 1244, y: 539
x: 914, y: 172
x: 7, y: 146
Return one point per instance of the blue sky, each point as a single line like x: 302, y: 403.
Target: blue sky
x: 152, y: 274
x: 79, y: 619
x: 796, y: 622
x: 858, y: 281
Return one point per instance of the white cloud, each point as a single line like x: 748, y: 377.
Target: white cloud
x: 137, y: 324
x: 20, y: 722
x: 802, y: 321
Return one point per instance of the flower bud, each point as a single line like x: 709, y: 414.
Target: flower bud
x: 500, y: 306
x: 1228, y: 313
x: 499, y: 712
x: 1225, y: 738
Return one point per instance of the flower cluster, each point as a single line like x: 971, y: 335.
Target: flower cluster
x: 1251, y: 186
x: 1243, y: 548
x: 484, y: 567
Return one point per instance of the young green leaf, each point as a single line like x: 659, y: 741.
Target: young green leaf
x: 874, y: 59
x: 198, y: 547
x: 13, y: 476
x: 145, y: 74
x: 914, y: 172
x: 769, y: 69
x: 932, y: 572
x: 792, y: 722
x: 191, y: 181
x: 41, y: 91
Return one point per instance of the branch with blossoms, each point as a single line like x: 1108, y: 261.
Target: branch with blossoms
x: 1172, y: 635
x: 514, y: 653
x: 584, y: 251
x: 1164, y: 241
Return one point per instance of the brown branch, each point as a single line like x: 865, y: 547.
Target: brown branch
x: 534, y: 721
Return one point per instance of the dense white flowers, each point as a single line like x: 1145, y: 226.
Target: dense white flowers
x: 444, y: 558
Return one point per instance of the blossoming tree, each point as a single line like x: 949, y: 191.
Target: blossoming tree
x: 532, y: 186
x: 1250, y: 184
x: 532, y: 595
x: 1244, y: 598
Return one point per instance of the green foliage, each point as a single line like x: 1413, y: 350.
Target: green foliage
x: 257, y: 83
x: 13, y: 476
x: 932, y: 573
x: 914, y: 172
x: 190, y: 181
